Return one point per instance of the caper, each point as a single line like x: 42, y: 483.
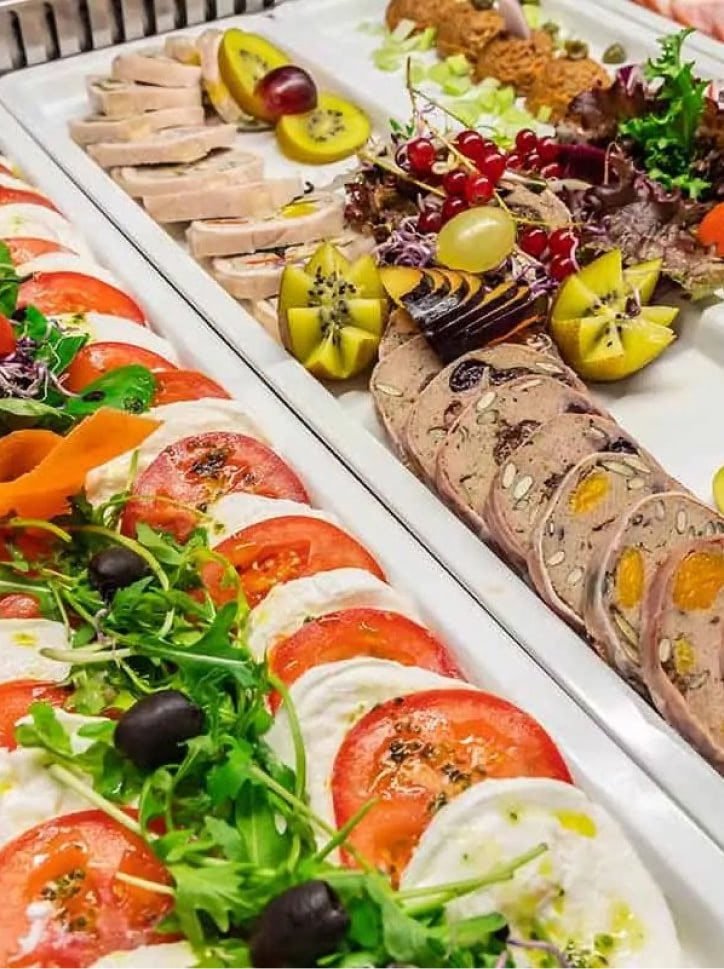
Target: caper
x: 576, y: 50
x: 615, y: 54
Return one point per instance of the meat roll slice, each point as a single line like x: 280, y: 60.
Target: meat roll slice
x: 525, y: 484
x: 489, y: 431
x: 461, y: 382
x: 396, y: 383
x: 582, y: 513
x: 621, y: 572
x: 682, y: 644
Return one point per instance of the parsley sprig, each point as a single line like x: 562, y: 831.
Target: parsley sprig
x: 666, y: 135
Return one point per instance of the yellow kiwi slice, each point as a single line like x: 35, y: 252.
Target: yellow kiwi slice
x: 244, y: 59
x: 335, y: 130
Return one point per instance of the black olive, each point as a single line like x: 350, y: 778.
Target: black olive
x: 299, y: 926
x: 114, y: 568
x: 151, y: 732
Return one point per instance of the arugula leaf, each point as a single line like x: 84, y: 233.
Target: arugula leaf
x: 45, y: 731
x: 214, y: 891
x: 667, y: 135
x: 56, y: 347
x: 18, y: 412
x: 256, y: 821
x: 8, y: 282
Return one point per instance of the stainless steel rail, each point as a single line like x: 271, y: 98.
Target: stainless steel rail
x: 35, y: 31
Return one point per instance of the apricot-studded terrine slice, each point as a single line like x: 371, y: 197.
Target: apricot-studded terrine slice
x: 397, y: 382
x: 682, y: 643
x: 445, y: 397
x: 624, y: 566
x: 581, y: 515
x: 489, y: 431
x: 525, y: 483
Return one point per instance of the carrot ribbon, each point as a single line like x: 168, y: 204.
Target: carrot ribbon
x: 40, y: 471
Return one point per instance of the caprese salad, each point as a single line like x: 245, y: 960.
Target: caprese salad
x: 225, y: 739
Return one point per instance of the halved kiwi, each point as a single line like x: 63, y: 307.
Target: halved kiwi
x: 244, y: 59
x: 335, y: 130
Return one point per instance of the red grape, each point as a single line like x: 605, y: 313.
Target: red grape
x: 287, y: 90
x: 452, y: 206
x: 533, y: 241
x: 514, y: 161
x: 455, y: 181
x: 493, y: 165
x: 561, y: 267
x: 526, y: 141
x: 549, y: 150
x: 422, y: 155
x: 562, y: 242
x: 552, y: 170
x: 532, y: 161
x: 478, y: 189
x: 430, y: 220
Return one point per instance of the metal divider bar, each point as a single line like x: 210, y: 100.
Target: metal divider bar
x: 35, y: 31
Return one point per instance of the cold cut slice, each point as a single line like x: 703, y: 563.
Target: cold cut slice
x: 397, y: 381
x: 622, y: 571
x: 226, y: 167
x: 442, y: 402
x: 488, y: 432
x: 165, y: 147
x: 257, y: 199
x: 582, y: 514
x: 98, y: 128
x: 315, y: 217
x: 682, y: 643
x: 217, y: 92
x: 122, y: 99
x: 258, y: 275
x: 400, y: 329
x: 539, y: 466
x: 154, y: 67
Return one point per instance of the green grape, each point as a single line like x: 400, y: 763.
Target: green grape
x: 477, y: 240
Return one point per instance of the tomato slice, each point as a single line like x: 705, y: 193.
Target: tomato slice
x: 358, y: 632
x: 197, y: 470
x: 7, y: 336
x: 281, y: 549
x: 10, y: 196
x: 54, y: 293
x: 19, y: 606
x: 23, y: 249
x: 176, y: 385
x: 417, y: 752
x: 70, y: 863
x: 98, y: 359
x: 16, y: 698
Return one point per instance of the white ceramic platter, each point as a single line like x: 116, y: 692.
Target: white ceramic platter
x: 686, y: 863
x: 674, y: 407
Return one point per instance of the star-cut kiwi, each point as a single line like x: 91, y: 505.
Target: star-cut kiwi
x: 332, y: 313
x: 601, y: 321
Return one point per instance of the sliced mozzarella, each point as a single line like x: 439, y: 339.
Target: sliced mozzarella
x: 11, y: 181
x: 232, y: 513
x: 104, y: 328
x: 64, y: 262
x: 329, y: 700
x: 20, y: 643
x: 290, y: 605
x: 589, y: 888
x: 180, y: 420
x: 30, y: 795
x: 165, y: 955
x: 38, y: 222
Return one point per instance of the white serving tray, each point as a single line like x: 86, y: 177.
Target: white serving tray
x: 686, y: 863
x: 663, y: 406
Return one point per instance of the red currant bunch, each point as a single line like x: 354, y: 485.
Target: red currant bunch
x: 534, y: 154
x: 556, y: 251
